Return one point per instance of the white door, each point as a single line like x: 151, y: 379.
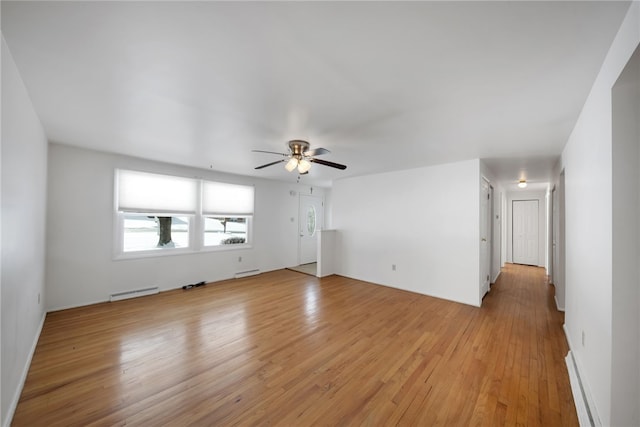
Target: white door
x: 525, y: 232
x: 311, y: 215
x: 485, y: 237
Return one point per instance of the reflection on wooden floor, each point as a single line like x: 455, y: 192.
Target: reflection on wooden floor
x: 311, y: 268
x: 284, y: 348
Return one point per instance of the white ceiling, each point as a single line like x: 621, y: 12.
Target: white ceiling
x: 383, y: 85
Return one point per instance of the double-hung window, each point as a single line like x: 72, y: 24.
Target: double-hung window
x: 162, y: 214
x: 227, y: 210
x: 155, y: 212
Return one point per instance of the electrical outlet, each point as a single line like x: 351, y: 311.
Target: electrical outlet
x: 239, y: 259
x: 393, y: 267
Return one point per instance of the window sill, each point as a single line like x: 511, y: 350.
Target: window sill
x: 224, y: 248
x: 155, y: 253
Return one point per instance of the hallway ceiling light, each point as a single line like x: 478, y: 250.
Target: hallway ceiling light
x: 522, y: 183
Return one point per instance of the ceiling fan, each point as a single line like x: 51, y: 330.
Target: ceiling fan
x: 300, y: 157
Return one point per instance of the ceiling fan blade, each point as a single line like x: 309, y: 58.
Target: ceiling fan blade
x: 269, y: 152
x: 271, y: 164
x: 326, y: 163
x: 316, y: 152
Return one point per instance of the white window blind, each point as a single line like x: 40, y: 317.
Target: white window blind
x: 149, y: 193
x: 219, y: 198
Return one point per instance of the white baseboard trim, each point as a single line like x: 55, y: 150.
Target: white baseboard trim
x: 585, y: 406
x: 558, y: 306
x: 495, y: 279
x: 23, y: 377
x: 68, y: 307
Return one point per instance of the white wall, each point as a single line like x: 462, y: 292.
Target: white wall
x: 625, y: 355
x: 541, y: 197
x: 24, y: 169
x: 326, y: 253
x: 425, y: 221
x: 80, y: 265
x: 328, y: 209
x: 587, y: 162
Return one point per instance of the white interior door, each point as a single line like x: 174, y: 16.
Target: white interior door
x: 485, y: 237
x: 525, y: 232
x: 311, y: 217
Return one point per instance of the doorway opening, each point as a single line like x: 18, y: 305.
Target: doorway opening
x: 310, y: 222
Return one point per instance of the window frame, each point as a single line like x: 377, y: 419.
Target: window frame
x: 120, y: 253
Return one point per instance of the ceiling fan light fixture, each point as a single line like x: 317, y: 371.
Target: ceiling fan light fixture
x: 522, y: 183
x: 291, y: 164
x: 300, y: 157
x: 304, y: 165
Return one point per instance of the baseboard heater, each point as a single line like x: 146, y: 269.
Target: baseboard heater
x: 247, y: 273
x: 584, y: 406
x: 133, y: 294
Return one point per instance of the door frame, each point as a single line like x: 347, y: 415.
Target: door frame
x: 492, y: 236
x: 486, y: 238
x: 513, y: 202
x: 554, y: 225
x: 319, y: 226
x: 542, y: 223
x: 557, y: 244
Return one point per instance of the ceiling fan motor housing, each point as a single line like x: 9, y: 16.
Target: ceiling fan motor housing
x: 298, y: 147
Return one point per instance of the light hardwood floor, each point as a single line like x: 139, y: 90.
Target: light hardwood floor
x: 285, y: 348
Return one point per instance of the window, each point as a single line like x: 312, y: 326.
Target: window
x: 160, y: 214
x: 311, y: 221
x: 228, y: 209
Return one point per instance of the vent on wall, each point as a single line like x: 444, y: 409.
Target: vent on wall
x: 133, y: 294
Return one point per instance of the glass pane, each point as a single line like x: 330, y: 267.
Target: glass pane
x: 225, y: 230
x: 311, y: 220
x: 143, y: 232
